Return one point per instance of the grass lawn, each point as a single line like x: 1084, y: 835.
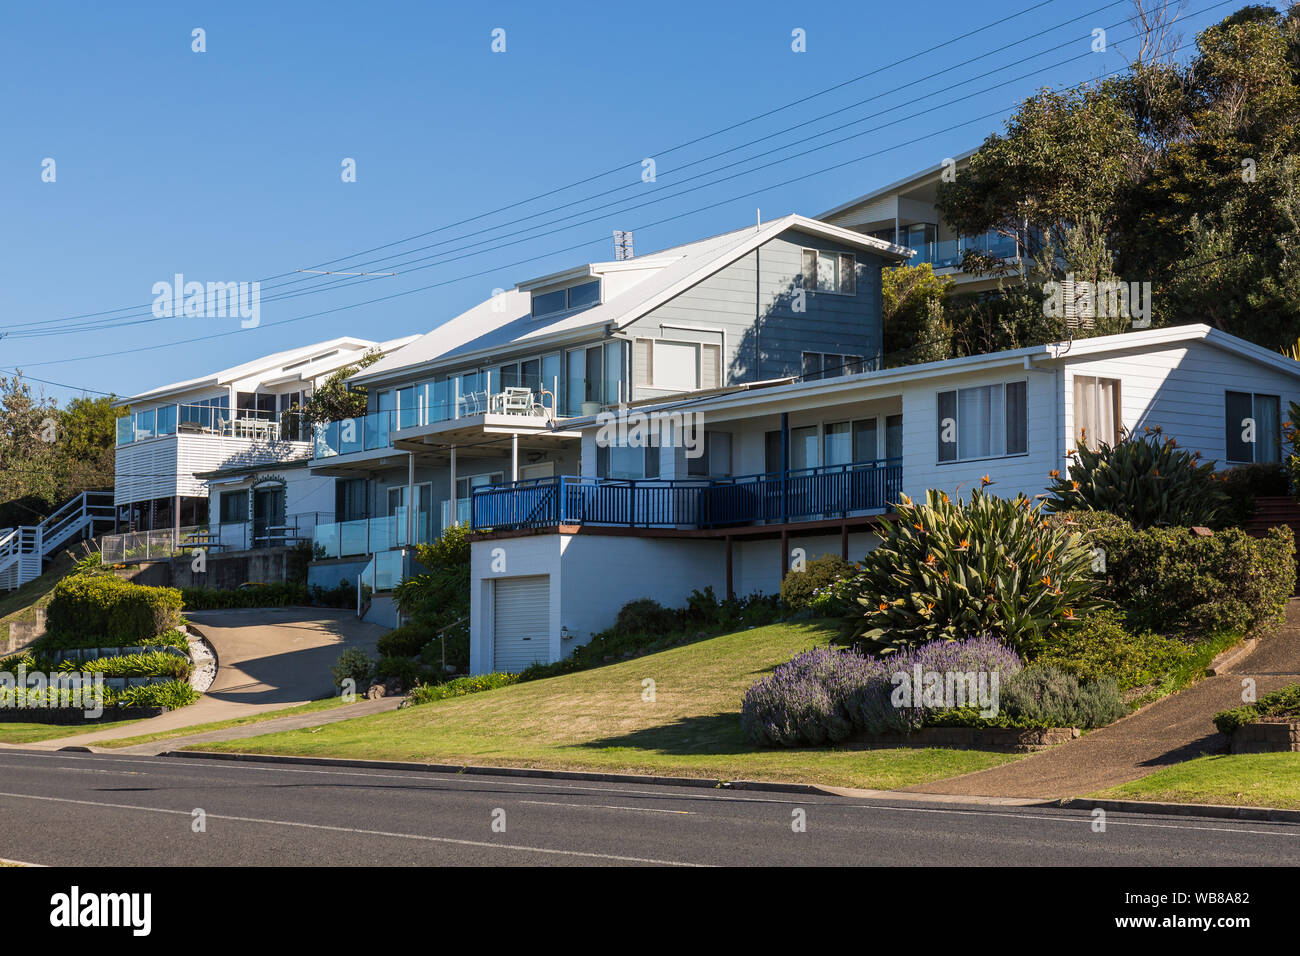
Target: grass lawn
x: 598, y: 720
x: 21, y: 605
x: 1247, y: 780
x: 324, y: 704
x: 28, y: 733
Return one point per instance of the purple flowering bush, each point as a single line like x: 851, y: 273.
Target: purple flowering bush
x: 823, y: 695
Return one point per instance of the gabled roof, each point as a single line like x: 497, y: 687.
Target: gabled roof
x: 506, y: 321
x: 297, y: 364
x: 898, y: 185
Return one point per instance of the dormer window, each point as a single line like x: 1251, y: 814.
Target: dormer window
x: 566, y: 300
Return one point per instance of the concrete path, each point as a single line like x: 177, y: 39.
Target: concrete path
x: 1169, y: 731
x: 268, y: 659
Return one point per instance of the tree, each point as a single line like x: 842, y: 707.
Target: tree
x: 915, y: 330
x: 334, y: 400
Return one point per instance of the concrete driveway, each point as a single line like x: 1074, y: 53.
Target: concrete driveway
x: 267, y: 659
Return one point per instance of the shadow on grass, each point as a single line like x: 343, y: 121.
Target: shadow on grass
x: 718, y: 734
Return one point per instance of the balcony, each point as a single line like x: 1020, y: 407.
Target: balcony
x: 804, y: 495
x: 431, y: 404
x: 214, y: 420
x: 948, y: 253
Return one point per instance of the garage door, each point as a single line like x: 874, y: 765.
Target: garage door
x: 521, y: 622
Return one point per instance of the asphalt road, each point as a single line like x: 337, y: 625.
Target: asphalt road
x: 141, y: 812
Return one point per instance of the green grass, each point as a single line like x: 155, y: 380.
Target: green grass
x: 324, y: 704
x: 1192, y: 668
x: 17, y: 733
x: 1244, y: 780
x: 597, y: 720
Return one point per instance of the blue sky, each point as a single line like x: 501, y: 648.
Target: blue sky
x: 225, y: 165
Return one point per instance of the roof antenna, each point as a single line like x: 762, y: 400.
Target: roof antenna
x: 622, y: 245
x: 758, y: 218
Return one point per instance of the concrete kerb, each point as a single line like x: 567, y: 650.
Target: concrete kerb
x: 1259, y: 814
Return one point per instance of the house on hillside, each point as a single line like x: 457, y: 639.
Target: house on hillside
x: 812, y: 464
x: 485, y: 399
x: 172, y: 441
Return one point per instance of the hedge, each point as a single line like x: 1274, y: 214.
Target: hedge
x: 109, y: 609
x: 1172, y: 580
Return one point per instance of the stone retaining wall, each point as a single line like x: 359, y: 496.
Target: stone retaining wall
x: 1263, y: 737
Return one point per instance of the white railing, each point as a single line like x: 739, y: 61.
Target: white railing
x: 24, y: 549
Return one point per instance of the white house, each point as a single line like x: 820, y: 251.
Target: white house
x: 812, y: 463
x: 171, y: 436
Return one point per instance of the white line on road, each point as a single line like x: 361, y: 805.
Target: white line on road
x: 602, y: 806
x: 379, y: 833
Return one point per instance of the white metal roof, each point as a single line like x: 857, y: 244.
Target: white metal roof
x: 506, y: 321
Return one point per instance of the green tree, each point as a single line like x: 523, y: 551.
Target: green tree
x: 334, y: 400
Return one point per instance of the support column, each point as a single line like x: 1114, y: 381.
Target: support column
x: 410, y: 499
x: 731, y: 591
x: 453, y: 485
x: 844, y: 540
x: 785, y: 553
x: 514, y: 457
x: 176, y: 520
x: 785, y: 467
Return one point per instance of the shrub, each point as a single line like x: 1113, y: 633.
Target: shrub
x: 1172, y: 580
x: 404, y: 669
x: 823, y: 695
x: 951, y: 569
x: 107, y: 608
x: 278, y: 594
x: 1284, y: 703
x: 404, y: 641
x: 806, y: 700
x: 645, y: 616
x: 151, y: 664
x: 1148, y: 481
x: 1244, y: 483
x: 63, y: 642
x: 1101, y: 647
x: 1055, y: 698
x: 800, y: 587
x: 172, y: 694
x: 425, y: 693
x: 352, y: 664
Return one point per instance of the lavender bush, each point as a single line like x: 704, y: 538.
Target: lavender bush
x: 824, y: 695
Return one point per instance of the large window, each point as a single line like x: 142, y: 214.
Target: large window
x: 1096, y: 411
x: 350, y: 499
x: 803, y: 448
x: 623, y: 461
x: 829, y: 365
x: 234, y: 507
x: 564, y: 300
x: 715, y: 461
x: 829, y: 272
x: 1253, y: 427
x: 988, y: 421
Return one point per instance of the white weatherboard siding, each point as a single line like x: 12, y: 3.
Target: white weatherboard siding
x: 1011, y: 475
x: 166, y: 466
x: 756, y: 565
x: 1181, y: 389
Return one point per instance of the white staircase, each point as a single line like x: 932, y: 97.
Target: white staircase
x: 23, y: 550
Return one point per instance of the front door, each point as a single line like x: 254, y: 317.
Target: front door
x: 268, y: 517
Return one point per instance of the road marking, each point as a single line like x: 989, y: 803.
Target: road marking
x: 602, y: 806
x: 380, y: 833
x: 704, y: 793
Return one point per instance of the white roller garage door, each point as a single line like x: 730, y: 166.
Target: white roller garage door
x: 521, y: 622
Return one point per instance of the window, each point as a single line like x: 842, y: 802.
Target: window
x: 894, y: 436
x: 563, y: 300
x: 465, y: 486
x: 829, y: 364
x: 772, y: 462
x: 1253, y: 427
x: 988, y: 421
x: 144, y: 424
x: 837, y: 444
x: 167, y: 420
x: 829, y: 272
x: 234, y: 507
x: 676, y: 365
x: 865, y: 440
x: 1096, y: 411
x: 803, y: 448
x: 349, y: 499
x: 716, y: 457
x: 623, y: 461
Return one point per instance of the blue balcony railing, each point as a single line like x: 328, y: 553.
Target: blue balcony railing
x: 807, y: 494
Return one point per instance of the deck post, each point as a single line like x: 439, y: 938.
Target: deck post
x: 844, y: 540
x: 455, y: 503
x: 785, y: 552
x: 514, y: 457
x: 785, y: 469
x: 731, y: 591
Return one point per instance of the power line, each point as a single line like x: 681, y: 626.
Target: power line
x: 636, y: 163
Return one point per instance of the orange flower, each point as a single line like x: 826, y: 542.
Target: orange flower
x: 963, y: 543
x: 1074, y: 485
x: 986, y: 480
x: 1069, y: 613
x: 1045, y: 581
x: 1054, y: 473
x: 884, y: 606
x: 929, y: 558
